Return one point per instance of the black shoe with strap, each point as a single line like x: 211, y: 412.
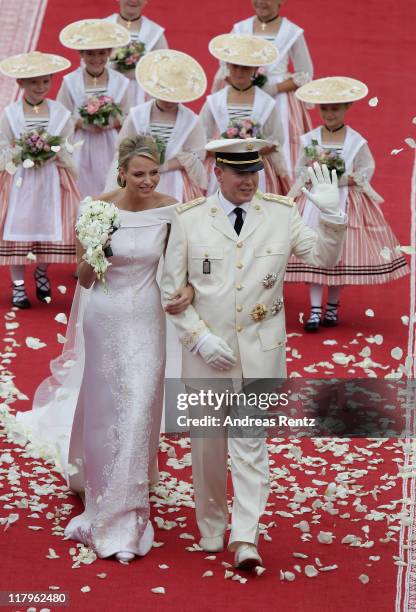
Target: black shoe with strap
x: 19, y: 296
x: 314, y: 321
x: 331, y: 315
x: 43, y: 285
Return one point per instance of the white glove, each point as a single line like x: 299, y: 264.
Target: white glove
x: 326, y: 194
x: 216, y: 353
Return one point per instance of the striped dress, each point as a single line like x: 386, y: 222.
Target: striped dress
x: 370, y: 255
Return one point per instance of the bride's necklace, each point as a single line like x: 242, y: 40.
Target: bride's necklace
x: 129, y: 21
x: 239, y: 88
x: 95, y: 77
x: 264, y: 22
x: 335, y: 129
x: 34, y: 106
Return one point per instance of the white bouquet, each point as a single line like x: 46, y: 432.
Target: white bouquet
x: 94, y: 226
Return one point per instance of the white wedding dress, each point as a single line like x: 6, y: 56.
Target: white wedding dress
x: 114, y: 384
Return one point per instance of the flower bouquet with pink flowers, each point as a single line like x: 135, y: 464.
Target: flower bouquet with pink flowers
x: 36, y: 147
x: 243, y: 128
x: 99, y: 110
x: 126, y: 58
x: 325, y: 155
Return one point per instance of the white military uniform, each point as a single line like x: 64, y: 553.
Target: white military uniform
x: 241, y: 301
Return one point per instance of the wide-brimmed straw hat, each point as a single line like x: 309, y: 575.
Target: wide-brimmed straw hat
x: 94, y: 34
x: 243, y: 50
x: 171, y: 76
x: 332, y: 90
x: 34, y: 64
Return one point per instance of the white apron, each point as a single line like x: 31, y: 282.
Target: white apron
x: 170, y: 182
x: 263, y: 106
x: 352, y: 144
x: 34, y: 210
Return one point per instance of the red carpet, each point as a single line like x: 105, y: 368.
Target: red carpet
x: 372, y: 41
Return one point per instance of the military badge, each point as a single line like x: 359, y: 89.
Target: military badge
x: 258, y: 312
x: 269, y: 280
x: 277, y: 306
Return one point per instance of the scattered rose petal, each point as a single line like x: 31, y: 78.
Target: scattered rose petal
x: 61, y: 318
x: 364, y: 578
x: 373, y: 102
x: 207, y: 574
x: 61, y: 339
x: 259, y: 570
x: 159, y: 590
x: 61, y: 289
x: 34, y: 343
x: 85, y: 589
x: 410, y: 142
x: 369, y: 312
x: 163, y: 566
x: 397, y: 353
x: 102, y: 575
x: 31, y: 256
x: 396, y: 151
x: 325, y: 537
x: 311, y: 571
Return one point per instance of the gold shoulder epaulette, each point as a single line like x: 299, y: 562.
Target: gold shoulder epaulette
x: 181, y: 208
x: 281, y: 199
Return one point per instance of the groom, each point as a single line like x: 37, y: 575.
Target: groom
x: 233, y: 248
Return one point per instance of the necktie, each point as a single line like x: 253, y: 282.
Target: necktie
x: 238, y: 219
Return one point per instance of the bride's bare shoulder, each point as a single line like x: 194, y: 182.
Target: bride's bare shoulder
x: 163, y: 199
x: 111, y: 196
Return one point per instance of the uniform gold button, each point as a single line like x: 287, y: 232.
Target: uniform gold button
x: 239, y: 308
x: 257, y: 207
x: 239, y: 245
x: 206, y: 254
x: 239, y: 287
x: 214, y: 210
x: 239, y: 266
x: 239, y: 328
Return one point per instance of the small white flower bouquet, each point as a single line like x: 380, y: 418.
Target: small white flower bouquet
x: 94, y: 226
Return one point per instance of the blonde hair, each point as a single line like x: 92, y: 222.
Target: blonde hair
x: 140, y: 145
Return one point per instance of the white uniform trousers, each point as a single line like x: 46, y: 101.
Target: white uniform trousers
x: 250, y: 478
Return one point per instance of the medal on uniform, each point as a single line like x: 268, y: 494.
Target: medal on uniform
x: 206, y: 266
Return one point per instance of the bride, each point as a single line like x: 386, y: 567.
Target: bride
x: 117, y: 388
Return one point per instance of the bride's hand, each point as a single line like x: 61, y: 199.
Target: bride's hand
x: 180, y: 300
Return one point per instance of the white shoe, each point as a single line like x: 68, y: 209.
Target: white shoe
x: 246, y: 557
x: 215, y: 544
x: 124, y: 557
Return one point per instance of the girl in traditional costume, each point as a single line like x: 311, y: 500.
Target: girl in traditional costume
x: 292, y: 68
x: 371, y: 253
x: 97, y: 97
x: 171, y: 78
x: 39, y: 196
x: 242, y: 109
x: 145, y: 36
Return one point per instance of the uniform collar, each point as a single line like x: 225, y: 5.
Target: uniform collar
x: 229, y: 206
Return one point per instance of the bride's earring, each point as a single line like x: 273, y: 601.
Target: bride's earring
x: 121, y: 182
